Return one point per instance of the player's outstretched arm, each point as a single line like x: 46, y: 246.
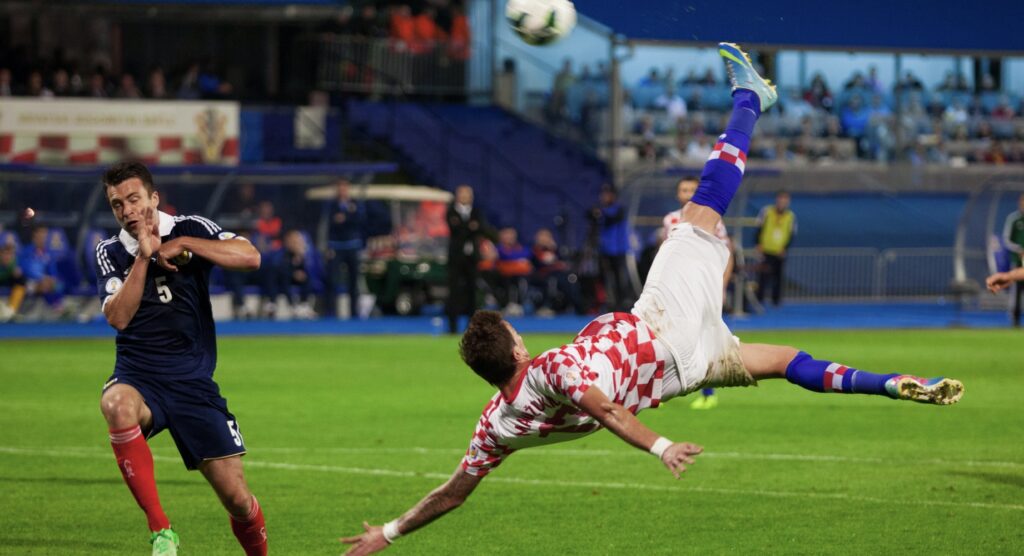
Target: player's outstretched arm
x: 675, y: 455
x: 442, y: 500
x: 231, y: 254
x: 1003, y: 280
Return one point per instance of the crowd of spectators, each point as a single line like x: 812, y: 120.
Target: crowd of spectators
x: 417, y: 27
x: 674, y: 120
x: 50, y: 79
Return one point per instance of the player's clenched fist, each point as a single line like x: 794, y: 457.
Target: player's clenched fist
x: 680, y: 454
x: 372, y: 540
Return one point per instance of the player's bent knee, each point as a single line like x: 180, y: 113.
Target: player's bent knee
x: 121, y: 408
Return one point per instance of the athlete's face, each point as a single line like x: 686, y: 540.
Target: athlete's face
x: 685, y: 191
x: 519, y: 351
x: 129, y: 201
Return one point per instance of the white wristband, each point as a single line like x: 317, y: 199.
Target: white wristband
x: 660, y: 445
x: 391, y: 531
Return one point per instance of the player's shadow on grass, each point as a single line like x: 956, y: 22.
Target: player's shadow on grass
x: 997, y: 478
x: 72, y: 481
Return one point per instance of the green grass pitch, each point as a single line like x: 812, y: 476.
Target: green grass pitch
x: 342, y: 429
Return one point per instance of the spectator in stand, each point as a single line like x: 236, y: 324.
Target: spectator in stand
x: 403, y: 28
x: 818, y: 95
x: 6, y: 82
x: 910, y: 82
x: 873, y: 82
x: 988, y: 83
x: 426, y: 33
x: 268, y: 227
x: 949, y: 82
x: 856, y: 82
x: 346, y: 230
x: 467, y: 229
x: 156, y: 84
x: 854, y: 119
x: 652, y: 79
x: 211, y: 85
x: 1003, y: 111
x: 776, y: 230
x: 189, y: 87
x: 368, y: 24
x: 553, y: 277
x: 39, y: 264
x: 36, y: 87
x: 673, y: 104
x: 128, y: 89
x: 610, y: 217
x: 62, y: 83
x: 11, y: 276
x: 97, y: 87
x: 514, y: 268
x: 709, y: 78
x: 459, y: 38
x: 295, y: 269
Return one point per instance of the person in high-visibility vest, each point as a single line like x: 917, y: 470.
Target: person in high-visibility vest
x: 777, y: 227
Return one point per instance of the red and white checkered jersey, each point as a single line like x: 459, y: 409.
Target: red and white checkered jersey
x: 616, y: 353
x: 676, y: 216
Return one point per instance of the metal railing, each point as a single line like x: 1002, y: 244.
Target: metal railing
x: 858, y: 273
x: 388, y: 67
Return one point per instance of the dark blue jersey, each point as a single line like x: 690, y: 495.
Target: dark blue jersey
x: 172, y: 335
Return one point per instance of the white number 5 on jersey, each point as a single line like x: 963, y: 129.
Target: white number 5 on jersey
x: 162, y: 290
x: 235, y: 434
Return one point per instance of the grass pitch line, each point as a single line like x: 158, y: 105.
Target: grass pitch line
x: 94, y: 454
x: 563, y: 452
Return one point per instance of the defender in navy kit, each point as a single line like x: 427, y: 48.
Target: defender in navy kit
x: 153, y: 279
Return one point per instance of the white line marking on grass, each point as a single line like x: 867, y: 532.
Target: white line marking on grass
x: 251, y: 463
x: 563, y: 452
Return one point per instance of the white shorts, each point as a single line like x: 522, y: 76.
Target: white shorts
x: 682, y: 303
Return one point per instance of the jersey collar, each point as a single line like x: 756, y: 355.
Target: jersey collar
x: 132, y: 244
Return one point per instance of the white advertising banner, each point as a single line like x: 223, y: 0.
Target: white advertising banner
x: 98, y: 131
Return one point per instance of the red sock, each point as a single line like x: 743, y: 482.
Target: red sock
x: 136, y: 464
x: 252, y: 531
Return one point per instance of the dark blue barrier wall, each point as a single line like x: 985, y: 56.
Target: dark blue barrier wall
x: 938, y: 24
x: 268, y: 135
x: 871, y: 219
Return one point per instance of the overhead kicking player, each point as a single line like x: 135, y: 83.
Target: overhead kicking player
x: 673, y: 342
x: 154, y: 281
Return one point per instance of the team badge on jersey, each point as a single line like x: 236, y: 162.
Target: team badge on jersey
x: 113, y: 285
x: 225, y: 235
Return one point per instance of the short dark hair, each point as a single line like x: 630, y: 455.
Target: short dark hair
x: 487, y: 348
x: 127, y: 170
x: 689, y: 177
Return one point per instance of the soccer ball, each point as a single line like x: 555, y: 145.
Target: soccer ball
x: 540, y: 22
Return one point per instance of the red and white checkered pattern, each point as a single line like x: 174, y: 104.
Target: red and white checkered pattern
x: 616, y: 353
x: 98, y: 149
x: 729, y: 153
x: 834, y: 377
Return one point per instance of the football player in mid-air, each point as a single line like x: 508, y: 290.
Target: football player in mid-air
x: 674, y: 342
x: 154, y: 281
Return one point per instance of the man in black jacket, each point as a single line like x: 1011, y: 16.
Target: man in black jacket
x: 467, y: 227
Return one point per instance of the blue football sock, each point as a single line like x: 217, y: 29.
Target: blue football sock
x: 724, y: 169
x: 826, y: 376
x: 707, y: 392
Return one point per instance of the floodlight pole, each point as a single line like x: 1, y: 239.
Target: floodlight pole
x: 616, y: 98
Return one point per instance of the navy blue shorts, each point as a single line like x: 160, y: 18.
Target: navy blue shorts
x: 195, y: 413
